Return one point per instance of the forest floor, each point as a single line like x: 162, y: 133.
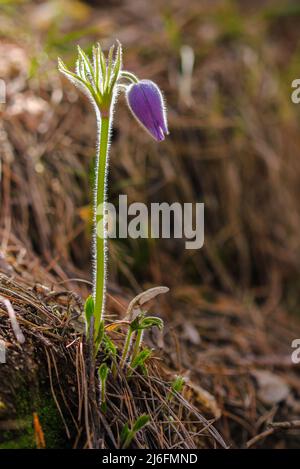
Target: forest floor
x: 232, y: 311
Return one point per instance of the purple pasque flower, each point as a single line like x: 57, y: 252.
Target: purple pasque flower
x: 147, y: 105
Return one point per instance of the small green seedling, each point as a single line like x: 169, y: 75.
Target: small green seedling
x: 110, y: 350
x: 128, y: 435
x: 176, y: 386
x: 140, y: 362
x: 99, y: 337
x: 103, y: 373
x: 89, y: 308
x: 138, y: 326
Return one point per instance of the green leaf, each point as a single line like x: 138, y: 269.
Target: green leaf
x: 150, y: 321
x: 99, y: 336
x: 103, y: 371
x: 87, y: 65
x: 141, y: 358
x: 135, y: 324
x: 96, y: 63
x: 103, y: 407
x: 124, y: 433
x: 127, y: 435
x: 102, y: 63
x: 177, y: 384
x: 144, y: 370
x: 99, y: 67
x: 142, y: 322
x: 89, y: 307
x: 140, y: 423
x: 109, y: 67
x: 109, y: 346
x: 117, y: 66
x: 76, y: 79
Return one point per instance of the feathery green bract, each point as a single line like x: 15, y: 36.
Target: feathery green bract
x: 96, y: 78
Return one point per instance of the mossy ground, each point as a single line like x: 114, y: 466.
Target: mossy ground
x: 49, y: 418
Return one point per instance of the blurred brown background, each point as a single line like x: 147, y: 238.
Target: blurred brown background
x: 226, y: 69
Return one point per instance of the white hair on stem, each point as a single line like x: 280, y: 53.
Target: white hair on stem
x: 95, y: 191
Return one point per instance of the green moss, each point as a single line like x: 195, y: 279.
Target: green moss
x: 23, y: 400
x: 42, y: 403
x: 24, y: 441
x: 20, y: 438
x: 230, y: 21
x: 52, y: 424
x: 282, y: 11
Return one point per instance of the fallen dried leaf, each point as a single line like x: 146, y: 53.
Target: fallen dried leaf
x: 271, y: 388
x: 206, y: 399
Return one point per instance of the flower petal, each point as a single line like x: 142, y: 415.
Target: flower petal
x: 146, y: 103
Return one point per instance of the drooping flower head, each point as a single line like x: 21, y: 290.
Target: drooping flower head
x: 146, y: 103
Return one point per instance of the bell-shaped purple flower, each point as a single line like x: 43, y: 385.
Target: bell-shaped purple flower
x: 146, y: 103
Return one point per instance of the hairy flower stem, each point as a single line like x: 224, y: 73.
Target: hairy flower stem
x: 129, y: 76
x: 100, y: 235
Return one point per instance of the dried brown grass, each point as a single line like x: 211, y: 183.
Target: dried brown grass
x: 234, y: 146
